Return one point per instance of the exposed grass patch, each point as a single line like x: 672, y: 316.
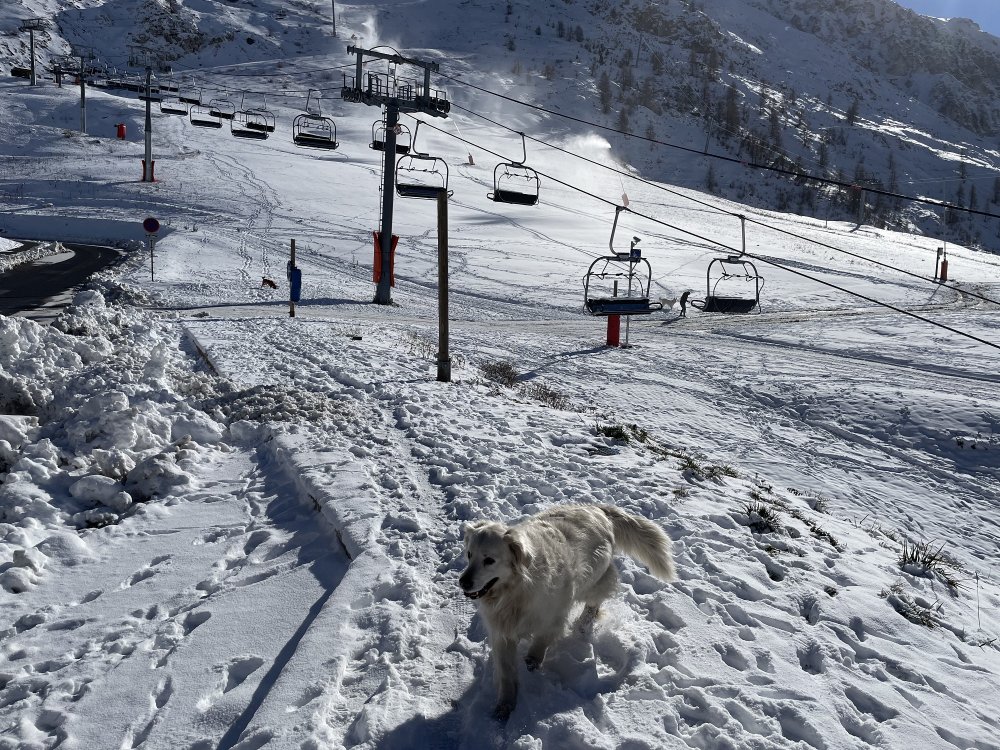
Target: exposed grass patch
x: 815, y: 529
x: 500, y: 372
x: 762, y: 518
x: 617, y: 432
x: 914, y: 610
x: 548, y: 396
x: 922, y: 559
x: 420, y: 346
x: 690, y: 465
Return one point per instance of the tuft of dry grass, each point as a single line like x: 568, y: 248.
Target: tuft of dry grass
x: 763, y: 519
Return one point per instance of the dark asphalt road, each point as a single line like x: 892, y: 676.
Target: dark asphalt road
x: 40, y: 289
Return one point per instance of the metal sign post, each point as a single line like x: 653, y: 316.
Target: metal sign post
x: 294, y: 276
x: 151, y: 226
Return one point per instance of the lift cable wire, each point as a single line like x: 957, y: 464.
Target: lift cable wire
x: 749, y: 219
x: 743, y: 162
x: 731, y: 249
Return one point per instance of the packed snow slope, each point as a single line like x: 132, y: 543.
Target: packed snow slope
x: 225, y: 527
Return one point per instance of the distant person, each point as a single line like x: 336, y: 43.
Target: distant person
x: 684, y: 303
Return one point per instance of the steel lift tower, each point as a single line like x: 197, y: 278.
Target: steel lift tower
x: 396, y: 95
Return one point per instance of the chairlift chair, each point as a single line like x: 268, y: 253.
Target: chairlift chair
x: 154, y: 94
x: 245, y: 124
x: 722, y: 291
x: 311, y: 129
x: 201, y: 116
x: 189, y: 94
x: 252, y: 123
x: 314, y: 131
x: 261, y: 118
x: 171, y: 105
x: 513, y: 182
x: 420, y: 175
x: 224, y: 109
x: 404, y: 139
x: 600, y: 296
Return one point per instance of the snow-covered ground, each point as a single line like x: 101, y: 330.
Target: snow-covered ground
x: 223, y: 527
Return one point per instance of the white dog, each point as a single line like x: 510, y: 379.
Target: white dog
x: 526, y: 578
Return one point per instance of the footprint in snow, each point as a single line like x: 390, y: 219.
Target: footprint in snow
x: 193, y: 620
x: 239, y: 669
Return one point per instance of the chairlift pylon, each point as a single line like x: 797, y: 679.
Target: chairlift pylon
x: 601, y: 283
x: 420, y: 175
x: 513, y: 182
x: 728, y: 271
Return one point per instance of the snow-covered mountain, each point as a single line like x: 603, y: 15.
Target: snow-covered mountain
x: 859, y: 91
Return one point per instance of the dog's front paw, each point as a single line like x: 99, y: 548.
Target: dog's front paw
x: 503, y: 710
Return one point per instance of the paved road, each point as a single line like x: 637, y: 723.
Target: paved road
x: 41, y: 289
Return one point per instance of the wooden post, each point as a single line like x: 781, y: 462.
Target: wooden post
x: 83, y: 98
x: 444, y: 359
x: 291, y: 267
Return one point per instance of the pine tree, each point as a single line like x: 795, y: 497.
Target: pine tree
x: 711, y: 185
x: 732, y: 110
x: 852, y: 112
x: 604, y: 91
x: 622, y: 122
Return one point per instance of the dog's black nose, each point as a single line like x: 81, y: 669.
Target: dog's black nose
x: 465, y: 581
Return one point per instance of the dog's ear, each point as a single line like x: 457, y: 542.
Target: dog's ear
x: 520, y: 553
x: 472, y: 528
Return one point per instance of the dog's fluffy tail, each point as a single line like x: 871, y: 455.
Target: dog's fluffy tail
x: 642, y: 539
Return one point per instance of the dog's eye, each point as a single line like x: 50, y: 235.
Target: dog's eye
x: 488, y: 561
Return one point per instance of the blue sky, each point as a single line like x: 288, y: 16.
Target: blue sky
x: 984, y: 12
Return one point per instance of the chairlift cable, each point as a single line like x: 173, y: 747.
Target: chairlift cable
x: 739, y: 251
x: 756, y: 222
x: 750, y: 165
